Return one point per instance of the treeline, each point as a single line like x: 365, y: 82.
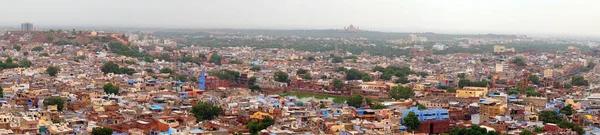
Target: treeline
x: 125, y: 50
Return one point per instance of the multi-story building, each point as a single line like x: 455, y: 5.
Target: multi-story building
x: 433, y: 121
x: 489, y: 108
x: 467, y: 92
x: 27, y: 26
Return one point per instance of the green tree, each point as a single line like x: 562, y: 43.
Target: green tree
x: 301, y: 71
x: 525, y: 132
x: 323, y: 77
x: 251, y: 80
x: 568, y: 86
x: 519, y: 62
x: 37, y: 48
x: 55, y: 100
x: 378, y: 68
x: 550, y: 116
x: 25, y: 63
x: 17, y: 47
x: 340, y: 69
x: 338, y: 84
x: 166, y: 71
x: 225, y: 74
x: 354, y: 74
x: 202, y: 56
x: 102, y: 131
x: 355, y: 100
x: 1, y: 92
x: 423, y: 74
x: 538, y: 129
x: 255, y: 88
x: 401, y: 92
x: 255, y: 68
x: 402, y: 80
x: 281, y: 76
x: 535, y: 79
x: 311, y: 58
x: 181, y: 78
x: 52, y: 70
x: 165, y: 57
x: 205, y: 111
x: 149, y: 70
x: 421, y: 107
x: 215, y: 58
x: 558, y: 65
x: 337, y: 59
x: 578, y: 81
x: 109, y: 88
x: 307, y: 77
x: 512, y: 92
x: 129, y: 71
x: 110, y: 67
x: 412, y: 121
x: 567, y: 110
x: 366, y: 78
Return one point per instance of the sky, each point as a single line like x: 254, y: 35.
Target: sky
x: 531, y: 17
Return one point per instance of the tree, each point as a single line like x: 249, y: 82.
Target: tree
x: 322, y: 105
x: 307, y: 77
x: 1, y: 92
x: 129, y: 71
x: 401, y: 92
x: 181, y: 78
x: 251, y: 80
x: 225, y: 74
x: 535, y: 79
x: 323, y: 77
x: 254, y: 126
x: 109, y: 88
x: 525, y: 132
x: 567, y: 110
x: 281, y: 76
x: 255, y: 68
x: 578, y: 81
x: 421, y: 107
x: 378, y: 68
x: 337, y: 59
x: 52, y: 70
x: 102, y: 131
x: 202, y: 56
x: 205, y: 111
x: 166, y: 71
x: 355, y: 100
x: 149, y: 70
x: 55, y: 100
x: 512, y: 92
x: 423, y: 74
x: 340, y: 69
x: 215, y: 58
x: 37, y: 48
x: 519, y: 62
x: 354, y: 74
x: 538, y: 129
x: 558, y: 65
x: 568, y: 86
x: 17, y: 47
x: 311, y: 58
x: 402, y: 80
x: 338, y: 84
x: 301, y: 71
x: 165, y: 57
x: 25, y: 63
x: 550, y: 116
x: 412, y: 121
x: 366, y: 78
x: 255, y: 88
x: 110, y: 67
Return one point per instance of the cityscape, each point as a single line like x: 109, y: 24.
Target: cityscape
x: 344, y: 80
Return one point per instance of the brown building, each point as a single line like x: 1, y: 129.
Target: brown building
x: 434, y: 126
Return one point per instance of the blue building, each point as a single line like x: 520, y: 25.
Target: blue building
x: 424, y: 115
x: 202, y: 81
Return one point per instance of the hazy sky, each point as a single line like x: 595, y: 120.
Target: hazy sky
x: 538, y: 17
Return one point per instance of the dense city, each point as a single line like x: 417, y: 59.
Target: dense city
x: 346, y: 81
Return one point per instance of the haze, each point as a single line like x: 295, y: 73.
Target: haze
x: 537, y: 17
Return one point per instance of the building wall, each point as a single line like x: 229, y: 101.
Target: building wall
x: 434, y: 126
x: 467, y: 92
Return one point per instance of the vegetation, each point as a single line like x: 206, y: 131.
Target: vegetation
x: 254, y: 126
x: 519, y: 62
x: 579, y: 81
x: 166, y: 71
x: 255, y: 88
x: 401, y: 92
x: 432, y: 61
x: 37, y: 48
x: 112, y: 67
x: 52, y: 70
x: 336, y: 99
x: 55, y: 100
x: 447, y: 88
x: 395, y: 71
x: 421, y: 107
x: 125, y: 50
x: 307, y: 77
x: 102, y: 131
x: 9, y: 63
x: 535, y: 79
x: 338, y: 84
x: 301, y: 71
x: 354, y: 74
x: 281, y: 76
x: 205, y: 111
x: 17, y: 47
x: 255, y: 68
x: 412, y: 121
x: 225, y: 74
x: 337, y: 59
x: 215, y: 58
x: 109, y: 88
x: 473, y: 130
x: 467, y: 82
x: 567, y: 110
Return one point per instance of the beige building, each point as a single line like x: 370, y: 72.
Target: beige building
x: 548, y: 73
x: 467, y: 92
x: 501, y: 49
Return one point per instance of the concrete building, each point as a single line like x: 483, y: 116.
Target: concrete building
x: 467, y: 92
x: 27, y: 26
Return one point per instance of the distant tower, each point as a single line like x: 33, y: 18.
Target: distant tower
x: 202, y: 81
x: 364, y: 104
x: 27, y: 26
